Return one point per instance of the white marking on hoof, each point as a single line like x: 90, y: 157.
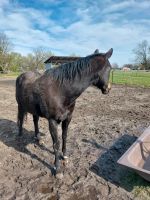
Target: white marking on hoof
x: 65, y: 160
x: 41, y: 142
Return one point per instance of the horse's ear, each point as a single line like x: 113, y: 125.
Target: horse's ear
x: 109, y: 53
x: 96, y: 51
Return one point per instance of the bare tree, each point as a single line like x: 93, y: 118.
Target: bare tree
x: 115, y: 66
x: 5, y: 47
x: 5, y: 44
x: 28, y: 63
x: 35, y: 61
x: 16, y: 61
x: 142, y: 53
x: 39, y: 56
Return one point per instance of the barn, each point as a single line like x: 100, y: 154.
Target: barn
x: 126, y: 69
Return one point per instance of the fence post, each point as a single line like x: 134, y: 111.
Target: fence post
x: 112, y: 76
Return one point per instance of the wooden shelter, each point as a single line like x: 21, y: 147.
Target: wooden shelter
x: 57, y: 60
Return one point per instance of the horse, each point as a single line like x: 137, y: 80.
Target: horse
x: 53, y: 94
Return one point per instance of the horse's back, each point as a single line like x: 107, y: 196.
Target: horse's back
x: 27, y: 77
x: 24, y: 87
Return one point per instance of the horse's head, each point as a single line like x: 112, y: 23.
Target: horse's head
x: 102, y: 81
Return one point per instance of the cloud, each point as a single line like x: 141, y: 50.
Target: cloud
x: 130, y: 4
x: 119, y: 6
x: 30, y: 27
x: 4, y: 3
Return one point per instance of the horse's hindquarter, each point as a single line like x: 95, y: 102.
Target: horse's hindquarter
x: 24, y: 91
x: 26, y: 98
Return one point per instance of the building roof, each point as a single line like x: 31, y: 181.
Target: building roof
x: 61, y: 59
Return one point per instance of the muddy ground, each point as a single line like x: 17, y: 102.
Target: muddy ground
x: 102, y: 128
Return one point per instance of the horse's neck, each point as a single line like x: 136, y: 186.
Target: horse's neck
x: 76, y: 88
x: 82, y: 84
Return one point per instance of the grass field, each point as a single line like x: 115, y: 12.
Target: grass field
x: 9, y: 75
x: 136, y: 78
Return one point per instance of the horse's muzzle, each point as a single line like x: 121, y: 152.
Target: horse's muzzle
x: 106, y: 89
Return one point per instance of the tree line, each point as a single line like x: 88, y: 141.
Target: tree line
x: 141, y: 57
x: 13, y: 61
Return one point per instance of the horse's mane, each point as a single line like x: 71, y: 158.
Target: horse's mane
x: 70, y: 71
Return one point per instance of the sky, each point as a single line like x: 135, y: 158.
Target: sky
x: 67, y: 27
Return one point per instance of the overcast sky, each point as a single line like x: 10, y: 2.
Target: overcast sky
x: 77, y: 26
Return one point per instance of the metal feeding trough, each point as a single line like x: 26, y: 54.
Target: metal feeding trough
x: 137, y: 157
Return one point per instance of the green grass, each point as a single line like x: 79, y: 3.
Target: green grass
x: 137, y: 185
x: 9, y: 75
x: 135, y: 78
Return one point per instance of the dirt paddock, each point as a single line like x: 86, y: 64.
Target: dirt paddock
x: 102, y: 128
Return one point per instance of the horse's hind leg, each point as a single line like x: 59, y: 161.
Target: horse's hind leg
x: 35, y: 120
x: 53, y: 131
x: 21, y: 115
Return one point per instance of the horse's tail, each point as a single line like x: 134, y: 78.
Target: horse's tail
x: 18, y: 87
x: 21, y: 113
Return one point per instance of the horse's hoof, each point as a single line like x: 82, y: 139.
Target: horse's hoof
x: 57, y: 172
x: 59, y: 176
x: 65, y: 160
x: 38, y: 136
x: 36, y: 139
x: 40, y: 140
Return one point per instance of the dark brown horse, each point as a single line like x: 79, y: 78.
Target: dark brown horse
x: 53, y: 95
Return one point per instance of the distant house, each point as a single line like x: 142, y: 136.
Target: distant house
x: 126, y: 69
x: 58, y: 60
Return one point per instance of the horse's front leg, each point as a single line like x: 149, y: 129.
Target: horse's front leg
x: 53, y: 131
x: 65, y: 125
